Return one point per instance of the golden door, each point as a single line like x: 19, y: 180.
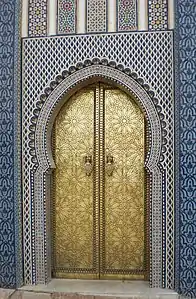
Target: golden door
x: 99, y: 201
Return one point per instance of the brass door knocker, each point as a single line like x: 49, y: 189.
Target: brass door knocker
x: 88, y: 164
x: 109, y: 164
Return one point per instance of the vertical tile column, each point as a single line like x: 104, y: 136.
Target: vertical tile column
x: 37, y: 18
x: 158, y: 14
x: 10, y: 152
x: 185, y: 135
x: 96, y: 16
x: 127, y: 15
x: 67, y: 16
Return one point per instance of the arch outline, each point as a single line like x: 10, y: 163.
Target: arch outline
x: 40, y: 136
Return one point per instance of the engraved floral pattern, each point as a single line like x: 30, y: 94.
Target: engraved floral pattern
x: 124, y: 190
x: 74, y: 190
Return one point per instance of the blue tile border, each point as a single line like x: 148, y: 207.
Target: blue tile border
x: 185, y: 122
x: 185, y: 102
x: 10, y: 246
x: 17, y: 146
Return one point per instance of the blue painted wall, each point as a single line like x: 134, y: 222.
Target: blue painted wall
x: 10, y: 236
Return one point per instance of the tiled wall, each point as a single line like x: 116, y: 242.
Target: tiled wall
x: 10, y: 174
x: 185, y: 205
x: 96, y: 16
x: 185, y: 43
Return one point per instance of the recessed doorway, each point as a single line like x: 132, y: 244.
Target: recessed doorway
x: 99, y: 201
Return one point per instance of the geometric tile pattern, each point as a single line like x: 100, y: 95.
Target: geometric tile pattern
x: 66, y: 16
x: 37, y: 23
x: 96, y: 20
x: 10, y: 196
x: 96, y: 16
x: 127, y: 15
x: 149, y: 54
x: 157, y: 14
x: 43, y: 117
x: 185, y: 206
x: 186, y: 155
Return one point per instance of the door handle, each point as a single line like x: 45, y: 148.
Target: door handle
x: 109, y: 164
x: 88, y: 164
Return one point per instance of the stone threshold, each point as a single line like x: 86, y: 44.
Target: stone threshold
x: 91, y: 289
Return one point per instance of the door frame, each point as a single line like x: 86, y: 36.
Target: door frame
x: 40, y: 143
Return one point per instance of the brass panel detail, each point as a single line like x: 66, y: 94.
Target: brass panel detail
x: 73, y: 208
x: 96, y: 178
x: 124, y: 189
x: 99, y: 186
x: 101, y: 173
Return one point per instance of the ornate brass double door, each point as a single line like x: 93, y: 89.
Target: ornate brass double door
x: 99, y: 187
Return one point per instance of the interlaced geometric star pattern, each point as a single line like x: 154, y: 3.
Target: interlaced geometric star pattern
x: 149, y: 54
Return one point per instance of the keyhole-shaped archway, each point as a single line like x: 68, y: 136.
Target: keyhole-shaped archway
x: 45, y: 114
